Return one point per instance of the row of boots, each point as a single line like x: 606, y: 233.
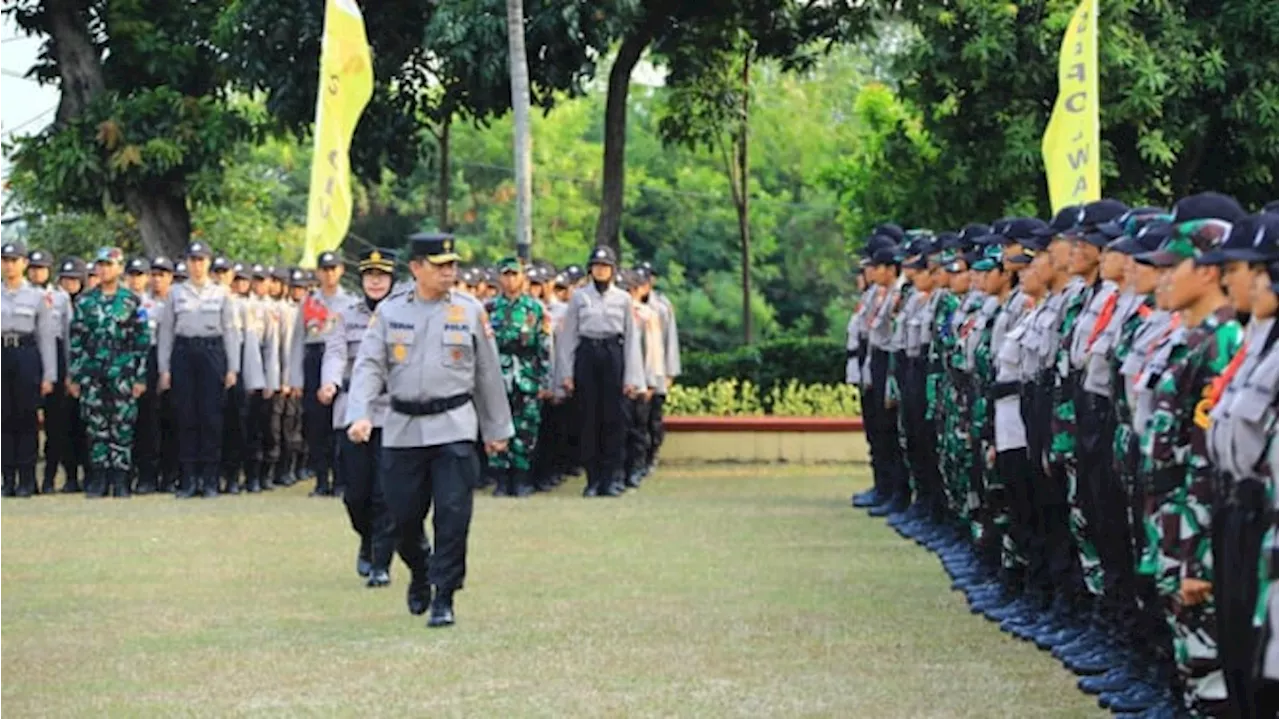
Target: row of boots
x: 1120, y: 654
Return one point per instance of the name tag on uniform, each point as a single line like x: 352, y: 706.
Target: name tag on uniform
x: 24, y: 311
x: 213, y: 305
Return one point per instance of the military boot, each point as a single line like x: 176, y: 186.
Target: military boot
x: 207, y: 486
x: 72, y: 484
x: 10, y: 483
x: 501, y: 482
x: 441, y: 609
x: 186, y: 485
x: 26, y: 481
x: 95, y: 483
x: 119, y: 481
x: 520, y: 484
x: 231, y: 483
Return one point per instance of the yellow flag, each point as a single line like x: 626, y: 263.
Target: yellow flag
x: 346, y: 84
x: 1071, y: 148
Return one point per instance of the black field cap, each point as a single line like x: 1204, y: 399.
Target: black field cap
x: 1098, y: 212
x: 1207, y: 206
x: 602, y: 255
x: 180, y: 271
x: 328, y: 260
x: 39, y: 258
x: 298, y: 278
x: 1020, y: 229
x: 434, y: 247
x: 891, y: 230
x: 973, y: 230
x: 1020, y: 258
x: 13, y: 251
x: 220, y: 264
x: 378, y: 259
x: 1062, y: 222
x: 887, y: 255
x: 199, y: 249
x: 259, y: 272
x: 72, y: 267
x: 161, y: 264
x: 137, y: 266
x: 1129, y: 222
x: 1252, y: 239
x: 280, y: 273
x: 1147, y: 239
x: 949, y: 241
x: 991, y: 239
x: 241, y: 271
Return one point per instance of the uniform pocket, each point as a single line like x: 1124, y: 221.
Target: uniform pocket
x: 399, y: 345
x: 459, y: 350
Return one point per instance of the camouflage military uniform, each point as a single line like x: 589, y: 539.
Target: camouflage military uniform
x: 521, y: 328
x: 1180, y: 487
x: 109, y: 340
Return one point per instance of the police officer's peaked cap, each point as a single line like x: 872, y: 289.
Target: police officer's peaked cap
x: 39, y: 258
x: 199, y: 249
x: 379, y: 259
x: 13, y: 250
x: 1252, y: 239
x: 1207, y: 206
x: 326, y: 260
x: 434, y: 247
x: 138, y: 266
x: 72, y: 267
x: 602, y: 255
x: 220, y: 264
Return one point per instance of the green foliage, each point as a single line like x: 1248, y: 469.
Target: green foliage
x: 78, y: 233
x: 769, y: 365
x: 735, y: 398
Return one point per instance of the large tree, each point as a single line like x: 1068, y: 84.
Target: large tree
x: 684, y: 34
x: 143, y: 110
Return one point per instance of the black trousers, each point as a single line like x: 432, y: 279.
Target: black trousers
x: 1106, y: 497
x: 233, y: 431
x: 923, y: 440
x: 366, y: 506
x: 597, y: 376
x: 20, y: 389
x: 1238, y: 526
x: 1014, y: 466
x: 638, y: 441
x: 1053, y: 558
x: 657, y: 430
x: 146, y: 435
x: 881, y: 426
x: 317, y: 418
x: 413, y: 480
x: 257, y: 432
x: 199, y: 369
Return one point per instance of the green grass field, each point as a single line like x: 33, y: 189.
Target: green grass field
x: 716, y: 591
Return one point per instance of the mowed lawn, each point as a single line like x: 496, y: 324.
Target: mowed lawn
x: 713, y: 591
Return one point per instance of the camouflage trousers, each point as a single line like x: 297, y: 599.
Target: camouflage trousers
x: 1170, y: 519
x: 981, y: 472
x: 110, y: 414
x: 1062, y: 451
x: 957, y: 452
x: 526, y: 416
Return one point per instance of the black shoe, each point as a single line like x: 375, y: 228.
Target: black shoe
x: 47, y: 486
x: 232, y: 486
x: 95, y: 485
x: 321, y: 491
x: 500, y: 489
x: 252, y: 486
x: 441, y: 610
x: 209, y: 487
x: 338, y: 491
x: 23, y: 491
x: 145, y: 486
x: 186, y: 487
x: 378, y: 578
x: 363, y: 563
x: 520, y: 484
x: 613, y: 489
x: 72, y: 485
x: 590, y: 491
x: 120, y: 485
x: 633, y: 479
x: 419, y: 594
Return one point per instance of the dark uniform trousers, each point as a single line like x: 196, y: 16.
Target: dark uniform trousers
x: 20, y: 388
x: 638, y: 443
x: 317, y: 418
x: 260, y: 450
x: 370, y: 516
x: 276, y: 457
x: 657, y: 430
x: 1239, y: 524
x: 233, y: 431
x: 413, y: 480
x: 924, y: 444
x: 597, y: 376
x: 199, y: 369
x: 887, y: 464
x: 62, y: 427
x: 1055, y: 561
x: 1106, y: 501
x: 146, y: 436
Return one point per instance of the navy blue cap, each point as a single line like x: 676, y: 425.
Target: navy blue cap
x: 1272, y: 270
x: 13, y: 250
x: 561, y: 280
x: 241, y: 271
x: 137, y: 266
x: 434, y: 247
x: 220, y: 264
x: 39, y: 258
x: 1251, y: 239
x: 1020, y: 229
x: 1092, y: 214
x: 1147, y: 239
x: 602, y: 255
x: 160, y: 263
x: 72, y: 267
x: 891, y: 230
x: 574, y: 273
x: 378, y: 259
x: 1062, y: 222
x: 259, y: 272
x: 327, y: 260
x: 199, y: 249
x: 180, y: 271
x: 298, y: 278
x: 973, y: 230
x: 887, y: 255
x: 1130, y: 221
x: 280, y: 273
x: 1207, y: 206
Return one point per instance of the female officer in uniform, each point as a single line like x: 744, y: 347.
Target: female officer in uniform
x: 199, y: 357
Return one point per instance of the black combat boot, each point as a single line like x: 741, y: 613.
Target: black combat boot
x: 207, y: 486
x: 186, y: 485
x: 72, y: 485
x: 501, y: 482
x: 95, y: 483
x: 10, y: 484
x: 26, y: 481
x: 521, y: 486
x: 120, y: 482
x: 441, y: 609
x: 418, y: 595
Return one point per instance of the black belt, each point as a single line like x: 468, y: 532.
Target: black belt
x: 429, y: 407
x: 18, y: 340
x: 1000, y: 390
x: 201, y: 341
x: 1164, y: 481
x: 608, y: 340
x: 1247, y: 494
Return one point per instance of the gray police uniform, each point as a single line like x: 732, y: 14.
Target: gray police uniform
x: 601, y: 344
x: 261, y: 377
x: 199, y: 344
x: 60, y: 421
x: 671, y: 365
x: 438, y: 362
x: 29, y: 356
x: 316, y: 320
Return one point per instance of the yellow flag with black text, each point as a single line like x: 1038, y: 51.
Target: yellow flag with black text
x: 1071, y: 146
x: 346, y: 84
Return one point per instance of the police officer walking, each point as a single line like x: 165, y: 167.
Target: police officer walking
x: 601, y: 348
x: 109, y: 340
x: 317, y: 319
x: 28, y: 367
x: 360, y: 463
x: 199, y: 356
x: 433, y: 351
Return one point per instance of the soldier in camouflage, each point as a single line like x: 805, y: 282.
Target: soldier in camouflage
x: 522, y: 330
x: 109, y: 340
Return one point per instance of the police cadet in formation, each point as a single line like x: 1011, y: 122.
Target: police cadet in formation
x: 599, y: 356
x: 28, y: 349
x: 433, y: 352
x: 639, y: 450
x: 261, y: 370
x: 671, y: 369
x: 316, y: 320
x: 199, y: 358
x: 107, y: 355
x: 154, y: 448
x: 56, y: 435
x: 360, y: 463
x: 522, y: 330
x: 1103, y: 393
x: 284, y: 435
x: 70, y: 447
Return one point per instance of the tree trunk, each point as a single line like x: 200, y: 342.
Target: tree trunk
x: 744, y: 199
x: 615, y: 138
x: 446, y: 174
x: 163, y: 220
x: 523, y: 139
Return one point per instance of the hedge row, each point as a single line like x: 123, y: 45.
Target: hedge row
x: 769, y: 365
